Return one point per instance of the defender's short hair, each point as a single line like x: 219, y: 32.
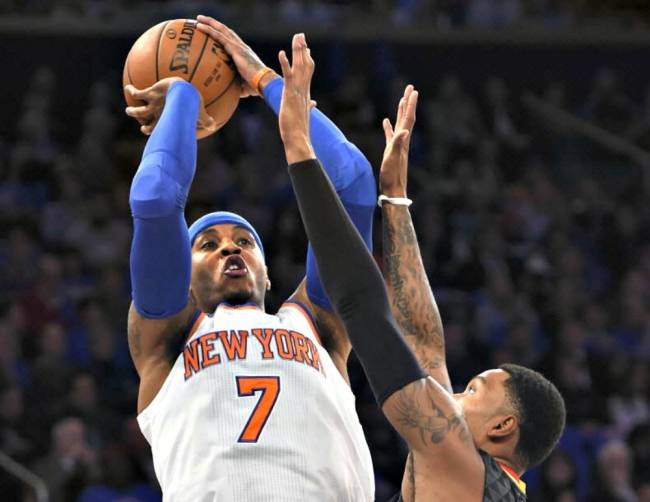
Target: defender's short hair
x: 540, y: 409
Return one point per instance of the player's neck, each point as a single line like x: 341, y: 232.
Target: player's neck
x: 240, y: 305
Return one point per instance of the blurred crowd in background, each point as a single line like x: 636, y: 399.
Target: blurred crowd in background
x: 535, y: 240
x: 435, y: 14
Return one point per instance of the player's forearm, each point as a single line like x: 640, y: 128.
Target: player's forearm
x: 343, y: 162
x: 348, y: 170
x: 353, y: 282
x: 411, y: 298
x: 160, y: 251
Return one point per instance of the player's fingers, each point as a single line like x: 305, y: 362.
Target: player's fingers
x: 408, y: 90
x: 146, y: 130
x: 309, y: 61
x: 140, y: 113
x: 210, y: 22
x: 216, y: 30
x: 409, y: 113
x: 312, y: 103
x: 297, y: 47
x: 220, y: 27
x: 284, y: 64
x: 206, y: 122
x: 401, y: 138
x: 214, y: 33
x: 135, y: 93
x: 388, y: 129
x: 400, y: 113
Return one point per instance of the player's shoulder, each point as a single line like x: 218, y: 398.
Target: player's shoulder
x: 297, y: 310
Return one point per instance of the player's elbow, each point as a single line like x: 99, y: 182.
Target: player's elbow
x: 361, y: 188
x: 154, y: 194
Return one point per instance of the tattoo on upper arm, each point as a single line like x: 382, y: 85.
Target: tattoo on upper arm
x: 413, y: 304
x: 417, y: 409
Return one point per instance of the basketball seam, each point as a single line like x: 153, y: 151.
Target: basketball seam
x: 222, y: 92
x: 160, y: 35
x: 198, y: 61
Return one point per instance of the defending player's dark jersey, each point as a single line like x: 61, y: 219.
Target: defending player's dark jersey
x: 499, y: 487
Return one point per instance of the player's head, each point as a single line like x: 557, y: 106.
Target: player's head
x: 514, y: 412
x: 227, y: 261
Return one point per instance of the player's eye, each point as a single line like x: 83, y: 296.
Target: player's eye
x: 470, y: 390
x: 209, y: 245
x: 243, y: 241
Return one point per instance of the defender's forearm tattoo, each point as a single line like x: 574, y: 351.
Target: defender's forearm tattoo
x: 412, y: 300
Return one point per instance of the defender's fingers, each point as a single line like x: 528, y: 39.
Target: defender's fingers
x: 297, y: 49
x: 311, y: 65
x: 411, y: 106
x: 388, y: 129
x: 402, y: 137
x: 284, y: 64
x: 408, y: 90
x: 400, y: 112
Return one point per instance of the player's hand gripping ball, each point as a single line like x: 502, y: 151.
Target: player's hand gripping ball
x: 177, y: 49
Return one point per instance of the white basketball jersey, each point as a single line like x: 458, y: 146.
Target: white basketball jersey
x: 255, y: 410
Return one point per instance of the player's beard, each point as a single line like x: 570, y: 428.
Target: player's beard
x: 238, y: 297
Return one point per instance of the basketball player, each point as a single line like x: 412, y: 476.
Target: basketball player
x: 254, y: 408
x: 470, y: 446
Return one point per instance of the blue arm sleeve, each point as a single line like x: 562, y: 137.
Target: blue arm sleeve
x: 160, y: 251
x: 348, y: 170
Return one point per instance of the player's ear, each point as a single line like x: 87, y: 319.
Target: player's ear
x: 268, y: 281
x: 502, y: 426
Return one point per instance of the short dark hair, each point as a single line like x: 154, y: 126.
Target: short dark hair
x: 540, y: 410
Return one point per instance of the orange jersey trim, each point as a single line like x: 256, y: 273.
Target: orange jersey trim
x: 307, y: 316
x: 515, y: 478
x: 195, y: 326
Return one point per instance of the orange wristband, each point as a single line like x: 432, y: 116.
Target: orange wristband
x: 257, y: 78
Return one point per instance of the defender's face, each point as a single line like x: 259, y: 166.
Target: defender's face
x: 483, y: 401
x: 227, y: 265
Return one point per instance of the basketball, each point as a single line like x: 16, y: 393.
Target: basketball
x: 177, y: 49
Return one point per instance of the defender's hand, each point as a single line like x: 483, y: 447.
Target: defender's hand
x: 296, y: 101
x: 245, y: 59
x: 394, y: 166
x: 154, y: 98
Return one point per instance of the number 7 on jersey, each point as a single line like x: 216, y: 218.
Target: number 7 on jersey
x: 269, y: 386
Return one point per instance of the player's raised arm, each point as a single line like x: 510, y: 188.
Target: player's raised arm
x: 412, y: 301
x: 160, y: 251
x: 424, y: 413
x: 347, y: 168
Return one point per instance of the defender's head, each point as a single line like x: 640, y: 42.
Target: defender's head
x: 514, y: 413
x: 227, y: 261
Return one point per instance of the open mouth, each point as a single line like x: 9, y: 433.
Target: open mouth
x: 235, y: 266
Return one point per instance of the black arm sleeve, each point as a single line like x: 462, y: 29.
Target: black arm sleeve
x: 353, y: 283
